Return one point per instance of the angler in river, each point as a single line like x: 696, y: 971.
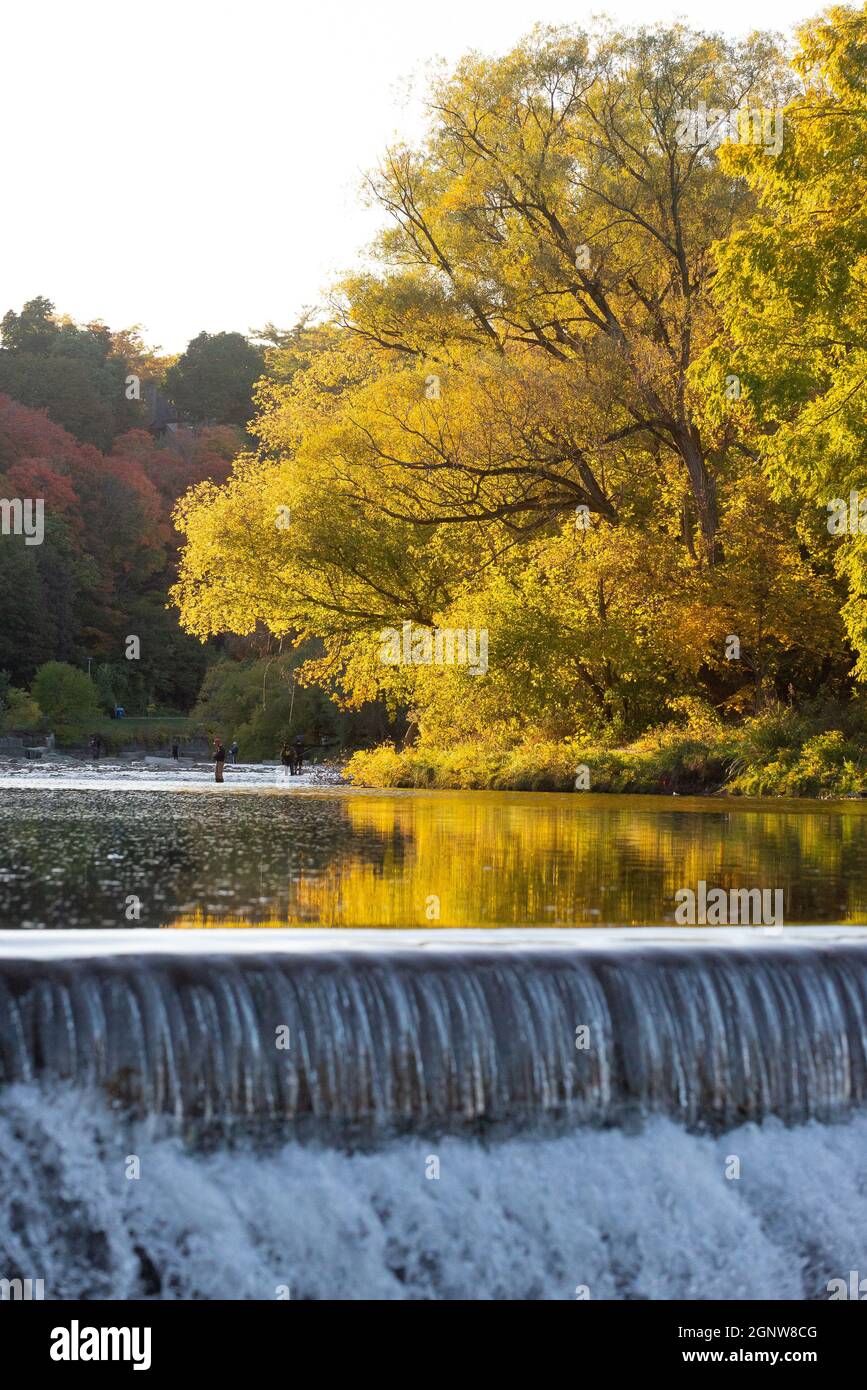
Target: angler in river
x: 219, y: 760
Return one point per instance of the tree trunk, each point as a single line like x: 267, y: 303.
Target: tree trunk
x: 704, y: 493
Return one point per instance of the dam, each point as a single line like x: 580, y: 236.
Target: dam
x: 334, y: 1034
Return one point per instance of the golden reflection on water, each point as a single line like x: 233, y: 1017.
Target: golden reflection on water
x: 471, y: 859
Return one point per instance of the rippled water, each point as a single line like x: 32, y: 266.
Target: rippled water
x: 75, y: 852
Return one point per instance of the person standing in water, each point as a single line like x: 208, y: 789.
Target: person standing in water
x: 287, y: 760
x: 233, y: 750
x: 297, y: 753
x: 219, y: 760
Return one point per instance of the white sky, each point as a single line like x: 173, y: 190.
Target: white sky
x: 194, y: 165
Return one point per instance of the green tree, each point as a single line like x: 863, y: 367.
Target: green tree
x: 520, y: 352
x: 27, y: 627
x: 558, y: 214
x: 68, y: 698
x: 34, y: 330
x: 792, y: 288
x: 19, y: 712
x: 261, y: 704
x: 214, y: 379
x: 77, y: 373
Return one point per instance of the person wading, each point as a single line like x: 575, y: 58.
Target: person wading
x: 219, y: 760
x: 297, y: 753
x: 287, y: 760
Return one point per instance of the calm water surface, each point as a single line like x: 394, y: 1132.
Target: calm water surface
x: 72, y: 856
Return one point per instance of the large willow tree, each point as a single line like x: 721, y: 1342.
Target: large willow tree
x: 504, y: 425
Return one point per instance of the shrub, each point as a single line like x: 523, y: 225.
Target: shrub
x: 777, y: 753
x: 67, y: 697
x: 21, y: 713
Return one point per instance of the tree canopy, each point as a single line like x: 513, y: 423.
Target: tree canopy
x: 213, y: 380
x: 538, y: 414
x: 792, y: 288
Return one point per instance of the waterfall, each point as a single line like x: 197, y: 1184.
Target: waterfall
x: 382, y: 1035
x: 645, y: 1215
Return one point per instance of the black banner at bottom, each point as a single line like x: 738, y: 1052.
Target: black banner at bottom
x: 154, y: 1338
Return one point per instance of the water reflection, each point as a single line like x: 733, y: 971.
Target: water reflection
x: 82, y: 858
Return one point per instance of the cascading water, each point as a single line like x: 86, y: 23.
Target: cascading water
x: 380, y: 1036
x: 603, y: 1167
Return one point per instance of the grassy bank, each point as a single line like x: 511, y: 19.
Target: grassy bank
x: 117, y: 734
x: 819, y: 753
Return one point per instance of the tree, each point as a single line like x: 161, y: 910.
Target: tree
x: 792, y: 287
x: 67, y: 697
x: 19, y: 712
x: 782, y: 610
x: 108, y: 556
x: 213, y: 380
x: 521, y: 358
x: 557, y: 214
x: 27, y: 629
x: 34, y: 330
x: 77, y: 373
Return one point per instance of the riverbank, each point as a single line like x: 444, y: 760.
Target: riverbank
x: 782, y: 753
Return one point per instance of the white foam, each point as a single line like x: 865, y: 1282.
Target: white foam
x: 645, y: 1216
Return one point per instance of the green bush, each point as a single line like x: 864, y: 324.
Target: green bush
x: 827, y: 764
x: 778, y: 753
x: 20, y: 713
x: 67, y: 697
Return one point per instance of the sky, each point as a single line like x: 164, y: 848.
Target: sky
x: 191, y: 166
